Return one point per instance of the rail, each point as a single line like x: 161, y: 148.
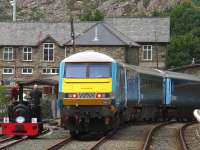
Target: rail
x: 182, y: 136
x: 60, y: 144
x: 148, y: 139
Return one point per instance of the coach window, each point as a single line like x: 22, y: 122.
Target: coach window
x: 147, y: 52
x: 27, y: 54
x: 48, y: 51
x: 8, y: 54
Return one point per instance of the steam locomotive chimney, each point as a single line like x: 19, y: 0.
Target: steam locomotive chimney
x: 20, y: 93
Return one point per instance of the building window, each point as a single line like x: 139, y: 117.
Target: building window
x: 50, y: 70
x: 8, y: 54
x: 67, y: 52
x: 27, y: 70
x: 147, y: 52
x: 48, y: 51
x: 8, y: 70
x: 27, y: 54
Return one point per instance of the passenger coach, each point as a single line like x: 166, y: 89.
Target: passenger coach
x: 99, y: 92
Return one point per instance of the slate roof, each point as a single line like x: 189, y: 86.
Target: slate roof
x: 102, y: 34
x: 127, y: 30
x: 32, y: 33
x: 143, y: 29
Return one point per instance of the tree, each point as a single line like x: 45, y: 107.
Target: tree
x: 185, y: 31
x: 93, y: 15
x: 3, y: 94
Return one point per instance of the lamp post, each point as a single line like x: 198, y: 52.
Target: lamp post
x: 13, y: 4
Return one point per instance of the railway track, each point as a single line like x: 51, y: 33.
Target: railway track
x: 70, y: 143
x: 60, y: 144
x: 6, y: 143
x: 168, y: 135
x: 190, y: 137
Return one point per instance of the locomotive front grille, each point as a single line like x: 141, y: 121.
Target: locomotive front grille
x: 87, y: 95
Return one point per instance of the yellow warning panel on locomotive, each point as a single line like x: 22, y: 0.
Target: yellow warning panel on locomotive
x: 87, y: 85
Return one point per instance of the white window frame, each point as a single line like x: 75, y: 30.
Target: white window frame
x: 147, y: 50
x: 48, y: 52
x: 8, y: 68
x: 27, y: 53
x: 9, y: 48
x: 50, y: 71
x: 66, y: 52
x: 27, y: 71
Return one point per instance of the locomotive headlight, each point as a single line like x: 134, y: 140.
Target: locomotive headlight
x: 34, y: 120
x: 20, y: 119
x: 6, y: 120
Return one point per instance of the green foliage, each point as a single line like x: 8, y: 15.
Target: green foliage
x: 146, y: 2
x: 36, y: 14
x: 3, y: 95
x: 196, y: 2
x: 3, y: 16
x: 183, y: 48
x: 185, y: 34
x: 95, y: 15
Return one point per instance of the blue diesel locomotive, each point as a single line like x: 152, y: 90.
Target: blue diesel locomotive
x: 98, y: 92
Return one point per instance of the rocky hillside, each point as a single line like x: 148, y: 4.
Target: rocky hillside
x: 59, y: 10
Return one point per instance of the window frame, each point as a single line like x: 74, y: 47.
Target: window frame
x: 27, y: 53
x: 8, y: 68
x: 147, y: 50
x: 48, y: 52
x: 50, y: 73
x: 66, y: 52
x: 88, y: 66
x: 27, y: 73
x: 4, y: 50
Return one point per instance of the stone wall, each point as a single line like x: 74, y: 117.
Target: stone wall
x: 162, y: 54
x: 37, y: 63
x: 115, y: 52
x: 124, y: 54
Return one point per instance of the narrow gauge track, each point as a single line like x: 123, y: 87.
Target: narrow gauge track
x: 190, y: 136
x: 164, y: 136
x: 42, y: 142
x: 10, y: 141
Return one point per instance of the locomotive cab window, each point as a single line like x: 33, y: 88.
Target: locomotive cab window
x: 88, y: 70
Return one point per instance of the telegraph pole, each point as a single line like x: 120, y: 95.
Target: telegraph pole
x: 72, y: 32
x: 13, y: 4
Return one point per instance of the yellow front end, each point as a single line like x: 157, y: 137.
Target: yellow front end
x: 87, y: 91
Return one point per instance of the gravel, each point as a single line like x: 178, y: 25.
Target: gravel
x: 131, y: 137
x: 43, y: 142
x: 192, y: 136
x: 166, y: 138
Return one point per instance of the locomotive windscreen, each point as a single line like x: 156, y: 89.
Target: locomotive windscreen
x: 88, y: 70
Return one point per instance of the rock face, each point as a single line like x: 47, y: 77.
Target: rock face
x: 59, y: 10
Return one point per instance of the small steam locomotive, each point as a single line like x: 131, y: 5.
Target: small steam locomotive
x: 24, y: 117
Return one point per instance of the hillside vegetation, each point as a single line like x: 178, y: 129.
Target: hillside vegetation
x: 185, y: 33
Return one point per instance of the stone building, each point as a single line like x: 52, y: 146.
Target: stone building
x: 34, y: 50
